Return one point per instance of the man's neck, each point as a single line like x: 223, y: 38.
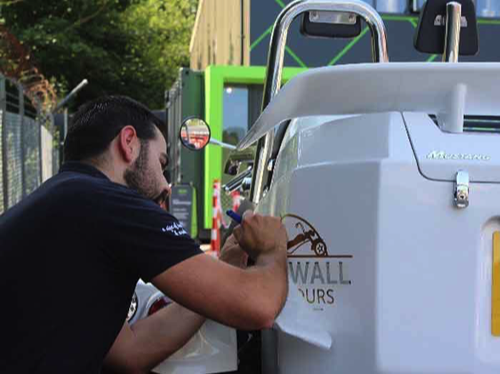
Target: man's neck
x: 114, y: 174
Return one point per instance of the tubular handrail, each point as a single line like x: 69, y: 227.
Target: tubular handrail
x: 276, y: 58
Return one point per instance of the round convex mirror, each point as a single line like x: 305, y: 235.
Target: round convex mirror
x: 194, y: 134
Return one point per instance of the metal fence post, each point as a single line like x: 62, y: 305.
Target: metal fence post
x: 3, y: 139
x: 23, y: 145
x: 40, y: 120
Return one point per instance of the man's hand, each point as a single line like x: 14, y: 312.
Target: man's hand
x: 259, y: 234
x: 232, y: 253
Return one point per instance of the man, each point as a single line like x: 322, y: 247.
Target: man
x: 72, y: 252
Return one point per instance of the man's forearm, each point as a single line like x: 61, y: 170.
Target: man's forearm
x: 140, y: 348
x: 271, y: 269
x: 247, y: 299
x: 164, y: 333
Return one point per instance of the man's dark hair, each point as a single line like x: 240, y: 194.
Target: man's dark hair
x: 97, y: 123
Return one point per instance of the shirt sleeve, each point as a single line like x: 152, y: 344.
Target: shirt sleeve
x: 145, y: 239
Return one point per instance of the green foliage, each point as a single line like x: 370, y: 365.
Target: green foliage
x: 129, y: 47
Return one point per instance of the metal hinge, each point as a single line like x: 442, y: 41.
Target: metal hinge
x: 461, y: 193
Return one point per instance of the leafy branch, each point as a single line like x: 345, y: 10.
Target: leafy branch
x: 89, y: 18
x: 10, y: 2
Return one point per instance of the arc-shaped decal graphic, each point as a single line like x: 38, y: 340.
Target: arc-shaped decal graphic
x: 308, y: 235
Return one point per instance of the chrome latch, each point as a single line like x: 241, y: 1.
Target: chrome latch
x: 270, y: 165
x: 462, y: 189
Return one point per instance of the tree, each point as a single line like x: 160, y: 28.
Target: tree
x: 129, y: 47
x: 162, y: 31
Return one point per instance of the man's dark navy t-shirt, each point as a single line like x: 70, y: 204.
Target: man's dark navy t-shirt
x: 70, y: 256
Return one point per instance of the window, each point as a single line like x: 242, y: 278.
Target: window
x: 235, y: 120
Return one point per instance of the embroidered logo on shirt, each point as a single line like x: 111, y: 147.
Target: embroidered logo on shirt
x: 175, y: 228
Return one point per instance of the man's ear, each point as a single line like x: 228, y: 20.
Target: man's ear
x: 128, y: 144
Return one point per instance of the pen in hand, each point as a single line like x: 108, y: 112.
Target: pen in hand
x: 235, y: 216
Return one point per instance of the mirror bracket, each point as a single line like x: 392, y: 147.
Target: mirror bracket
x: 236, y: 158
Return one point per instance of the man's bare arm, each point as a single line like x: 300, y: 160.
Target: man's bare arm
x: 142, y: 346
x: 246, y: 299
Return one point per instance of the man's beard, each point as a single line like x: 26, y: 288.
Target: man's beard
x: 138, y: 176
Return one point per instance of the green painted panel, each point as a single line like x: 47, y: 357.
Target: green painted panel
x: 215, y: 79
x: 194, y: 220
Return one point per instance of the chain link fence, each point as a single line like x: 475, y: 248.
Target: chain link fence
x: 28, y: 151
